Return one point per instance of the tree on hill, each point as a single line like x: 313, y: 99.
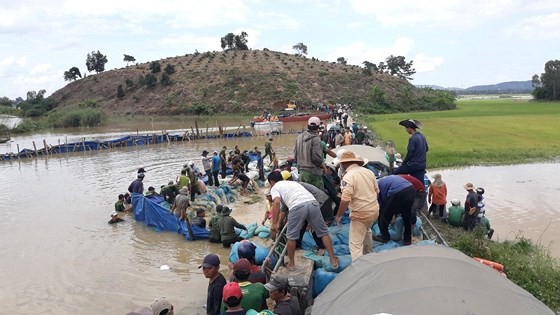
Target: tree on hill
x: 369, y: 68
x: 300, y: 48
x: 397, y: 65
x: 72, y: 75
x: 128, y: 58
x: 234, y: 42
x: 342, y: 60
x: 96, y: 62
x: 155, y: 66
x: 550, y: 81
x: 169, y: 69
x: 36, y: 104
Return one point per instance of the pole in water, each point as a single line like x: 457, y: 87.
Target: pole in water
x: 35, y: 148
x: 17, y: 150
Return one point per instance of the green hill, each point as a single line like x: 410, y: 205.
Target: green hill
x: 245, y: 81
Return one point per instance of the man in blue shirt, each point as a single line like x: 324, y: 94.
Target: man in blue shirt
x: 216, y: 168
x: 415, y: 161
x: 396, y: 196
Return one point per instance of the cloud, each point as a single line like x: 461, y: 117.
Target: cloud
x: 539, y: 27
x: 40, y: 69
x: 461, y: 13
x: 190, y: 42
x: 358, y: 52
x: 423, y: 63
x: 11, y: 64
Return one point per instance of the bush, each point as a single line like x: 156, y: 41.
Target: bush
x: 151, y: 80
x: 129, y: 83
x: 155, y: 66
x: 165, y: 79
x: 120, y: 92
x: 84, y: 117
x: 169, y: 69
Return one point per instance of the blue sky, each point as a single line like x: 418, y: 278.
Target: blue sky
x: 453, y: 43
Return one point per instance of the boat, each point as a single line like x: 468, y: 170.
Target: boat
x: 267, y: 127
x: 289, y: 116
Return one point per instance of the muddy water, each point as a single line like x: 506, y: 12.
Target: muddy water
x: 58, y: 255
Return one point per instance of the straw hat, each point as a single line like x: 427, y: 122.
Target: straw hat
x: 349, y: 156
x: 469, y: 186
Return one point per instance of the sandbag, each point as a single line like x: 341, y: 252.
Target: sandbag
x: 201, y: 187
x: 308, y: 242
x: 250, y: 232
x: 341, y: 250
x: 425, y: 243
x: 417, y: 231
x: 317, y: 260
x: 264, y: 234
x: 321, y: 279
x: 343, y: 262
x: 339, y: 234
x: 260, y: 253
x: 396, y: 229
x: 379, y: 247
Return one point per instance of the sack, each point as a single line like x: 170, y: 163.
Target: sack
x: 472, y: 211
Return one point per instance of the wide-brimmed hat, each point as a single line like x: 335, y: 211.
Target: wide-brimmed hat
x: 226, y: 210
x: 469, y: 186
x: 411, y: 123
x: 349, y: 156
x: 456, y: 202
x: 141, y: 170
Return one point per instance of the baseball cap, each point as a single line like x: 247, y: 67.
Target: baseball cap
x: 211, y: 260
x: 242, y: 265
x: 231, y: 289
x: 314, y: 121
x: 161, y: 304
x: 277, y: 282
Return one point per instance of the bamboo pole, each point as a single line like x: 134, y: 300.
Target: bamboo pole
x: 35, y: 148
x: 17, y: 150
x: 206, y: 130
x: 84, y: 143
x: 196, y: 126
x: 66, y: 143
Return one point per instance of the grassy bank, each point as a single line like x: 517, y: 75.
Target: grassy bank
x: 480, y: 132
x: 528, y: 264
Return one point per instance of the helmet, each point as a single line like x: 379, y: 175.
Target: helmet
x: 480, y: 191
x: 456, y: 202
x: 286, y: 175
x: 246, y: 250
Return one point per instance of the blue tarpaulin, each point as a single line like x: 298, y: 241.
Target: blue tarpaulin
x: 154, y: 212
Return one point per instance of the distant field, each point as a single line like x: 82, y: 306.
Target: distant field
x: 480, y: 132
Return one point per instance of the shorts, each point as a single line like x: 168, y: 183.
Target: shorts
x: 309, y: 211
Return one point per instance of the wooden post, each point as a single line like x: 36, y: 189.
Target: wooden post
x: 84, y: 143
x: 237, y: 130
x: 196, y: 126
x: 206, y: 130
x: 17, y: 150
x: 46, y: 147
x: 35, y: 148
x: 66, y: 143
x: 192, y: 131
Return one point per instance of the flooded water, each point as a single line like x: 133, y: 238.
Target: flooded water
x: 58, y: 255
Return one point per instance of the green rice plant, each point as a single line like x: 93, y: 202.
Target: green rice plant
x: 486, y: 132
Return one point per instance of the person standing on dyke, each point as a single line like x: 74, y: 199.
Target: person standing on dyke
x: 415, y: 161
x: 216, y: 168
x: 207, y: 165
x: 437, y: 197
x: 308, y: 152
x: 359, y: 194
x: 471, y: 208
x: 223, y: 161
x: 302, y: 207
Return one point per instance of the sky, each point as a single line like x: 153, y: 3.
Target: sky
x: 452, y: 43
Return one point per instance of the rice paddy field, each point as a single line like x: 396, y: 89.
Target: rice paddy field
x: 480, y: 132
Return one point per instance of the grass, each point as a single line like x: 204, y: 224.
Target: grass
x: 480, y: 132
x: 527, y: 264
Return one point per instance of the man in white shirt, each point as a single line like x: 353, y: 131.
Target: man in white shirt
x: 302, y: 206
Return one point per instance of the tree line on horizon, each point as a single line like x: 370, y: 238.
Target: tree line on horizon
x: 547, y: 85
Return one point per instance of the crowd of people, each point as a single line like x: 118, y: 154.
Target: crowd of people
x: 314, y: 194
